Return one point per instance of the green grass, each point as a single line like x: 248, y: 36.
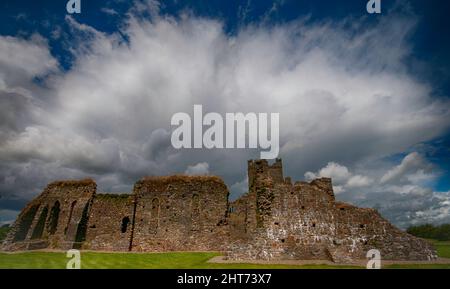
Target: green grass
x: 175, y: 260
x: 443, y: 248
x: 93, y: 260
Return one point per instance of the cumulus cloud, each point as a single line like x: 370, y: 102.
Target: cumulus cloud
x: 394, y: 189
x: 341, y: 177
x: 198, y: 169
x: 411, y: 163
x: 333, y: 170
x: 343, y: 93
x: 358, y: 181
x: 22, y: 61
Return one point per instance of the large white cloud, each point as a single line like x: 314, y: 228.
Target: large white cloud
x: 399, y: 191
x: 411, y: 163
x: 22, y: 59
x: 342, y: 91
x: 332, y: 170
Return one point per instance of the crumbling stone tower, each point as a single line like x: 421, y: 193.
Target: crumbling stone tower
x: 258, y: 168
x: 304, y: 221
x: 261, y: 176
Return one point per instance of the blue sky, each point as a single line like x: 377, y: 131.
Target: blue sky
x: 389, y: 148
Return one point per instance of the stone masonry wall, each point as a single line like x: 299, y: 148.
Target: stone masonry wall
x: 180, y: 213
x: 303, y: 221
x: 110, y: 223
x: 275, y: 220
x: 55, y: 219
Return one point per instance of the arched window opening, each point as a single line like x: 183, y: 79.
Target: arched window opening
x: 72, y: 206
x: 125, y: 222
x: 25, y: 224
x: 39, y: 228
x: 54, y: 216
x: 80, y: 236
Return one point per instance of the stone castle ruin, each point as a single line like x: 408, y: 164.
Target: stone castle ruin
x: 275, y: 220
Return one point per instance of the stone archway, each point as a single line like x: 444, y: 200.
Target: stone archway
x: 24, y: 224
x: 40, y: 225
x: 80, y: 236
x: 54, y: 218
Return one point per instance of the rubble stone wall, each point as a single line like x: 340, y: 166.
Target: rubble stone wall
x: 110, y: 223
x: 55, y: 219
x: 180, y: 213
x: 303, y: 221
x: 276, y: 219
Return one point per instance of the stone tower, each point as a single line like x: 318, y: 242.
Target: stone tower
x: 261, y: 178
x: 261, y: 168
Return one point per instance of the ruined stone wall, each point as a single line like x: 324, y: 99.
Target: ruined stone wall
x: 110, y: 223
x: 303, y: 221
x: 180, y: 213
x: 241, y: 213
x: 359, y: 230
x: 177, y: 213
x: 55, y: 219
x: 275, y: 220
x: 291, y: 220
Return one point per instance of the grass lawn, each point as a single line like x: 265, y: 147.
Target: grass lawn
x: 443, y: 248
x: 184, y: 260
x: 94, y: 260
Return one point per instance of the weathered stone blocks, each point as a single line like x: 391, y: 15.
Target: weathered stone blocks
x: 275, y: 220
